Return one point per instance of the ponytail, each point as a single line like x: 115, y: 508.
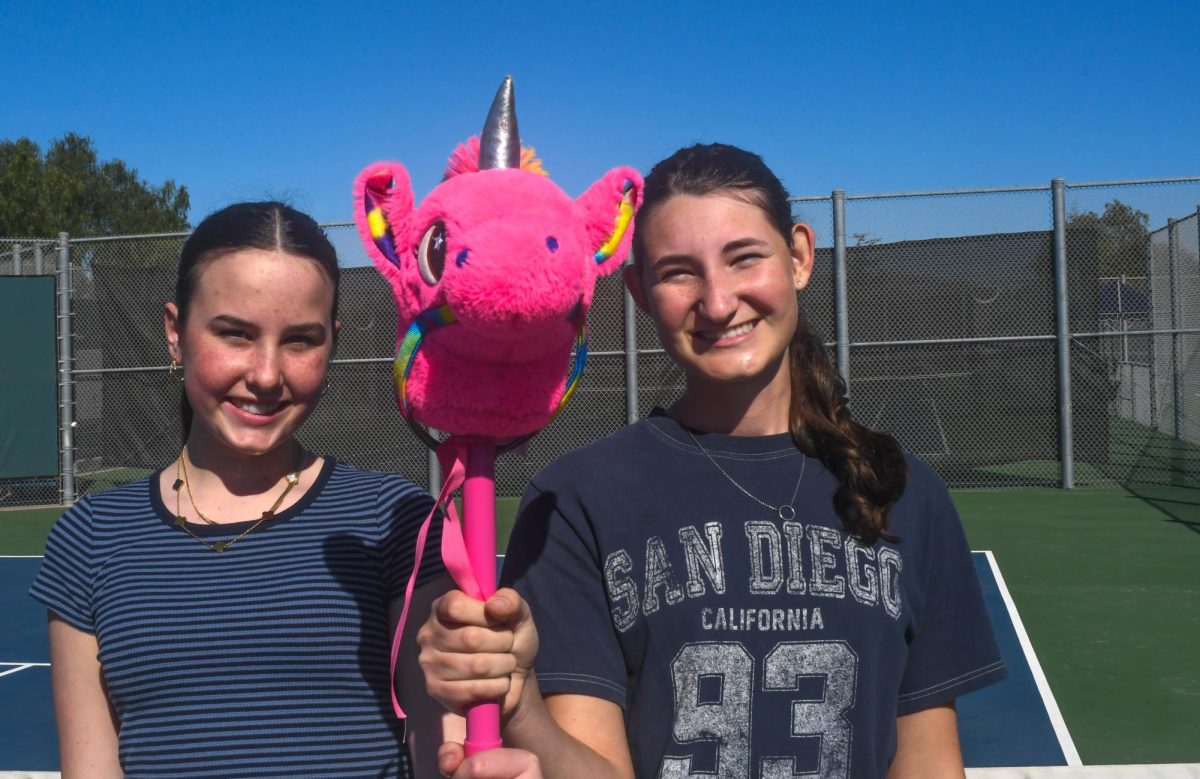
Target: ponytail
x: 869, y: 465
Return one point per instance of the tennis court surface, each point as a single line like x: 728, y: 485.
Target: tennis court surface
x: 1093, y: 595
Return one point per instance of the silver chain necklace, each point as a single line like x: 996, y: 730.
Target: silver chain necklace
x: 786, y: 511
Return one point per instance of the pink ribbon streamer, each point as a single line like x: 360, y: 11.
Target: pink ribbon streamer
x: 452, y: 455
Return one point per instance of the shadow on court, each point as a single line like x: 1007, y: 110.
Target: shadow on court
x: 1160, y: 470
x: 1180, y: 505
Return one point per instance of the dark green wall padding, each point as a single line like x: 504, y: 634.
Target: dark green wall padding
x: 28, y: 400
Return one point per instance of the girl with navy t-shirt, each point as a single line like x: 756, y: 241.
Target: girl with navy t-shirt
x: 748, y: 583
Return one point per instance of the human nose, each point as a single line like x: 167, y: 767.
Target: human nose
x: 265, y: 373
x: 718, y: 297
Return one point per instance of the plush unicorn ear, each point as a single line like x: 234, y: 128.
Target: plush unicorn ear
x: 383, y: 204
x: 606, y: 211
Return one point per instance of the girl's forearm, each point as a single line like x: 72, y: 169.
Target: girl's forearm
x: 552, y: 736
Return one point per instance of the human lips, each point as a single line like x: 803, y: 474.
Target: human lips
x: 728, y: 334
x: 256, y: 410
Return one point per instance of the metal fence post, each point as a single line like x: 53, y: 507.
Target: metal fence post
x: 1153, y: 338
x: 435, y: 474
x: 1176, y: 324
x: 37, y: 259
x: 631, y: 361
x: 1062, y: 327
x: 1124, y: 322
x: 16, y: 259
x: 66, y: 385
x: 841, y: 314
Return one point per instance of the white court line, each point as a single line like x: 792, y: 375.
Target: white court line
x: 23, y: 662
x: 1056, y: 719
x: 22, y: 667
x: 21, y: 556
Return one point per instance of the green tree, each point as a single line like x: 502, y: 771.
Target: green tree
x: 1122, y: 233
x: 70, y: 188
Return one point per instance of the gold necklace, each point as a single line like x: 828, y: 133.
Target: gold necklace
x: 182, y: 463
x: 786, y: 511
x: 292, y: 480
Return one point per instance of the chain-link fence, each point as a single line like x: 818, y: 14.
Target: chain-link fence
x: 27, y: 256
x: 1154, y: 359
x: 958, y: 309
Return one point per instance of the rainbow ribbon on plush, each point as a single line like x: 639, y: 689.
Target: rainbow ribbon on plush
x: 493, y: 275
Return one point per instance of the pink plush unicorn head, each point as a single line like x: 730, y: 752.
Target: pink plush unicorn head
x: 493, y: 277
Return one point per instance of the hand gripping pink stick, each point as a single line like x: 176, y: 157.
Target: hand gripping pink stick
x: 479, y: 534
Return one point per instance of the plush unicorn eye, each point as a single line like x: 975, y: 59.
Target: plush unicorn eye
x: 431, y: 255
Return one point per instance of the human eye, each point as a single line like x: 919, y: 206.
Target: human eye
x: 672, y: 273
x: 747, y: 257
x: 303, y: 341
x: 233, y: 334
x: 305, y: 338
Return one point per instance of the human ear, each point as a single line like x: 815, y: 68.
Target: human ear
x: 171, y: 330
x: 803, y: 241
x: 633, y: 283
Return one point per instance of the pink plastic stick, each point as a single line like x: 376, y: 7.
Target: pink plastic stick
x: 479, y: 532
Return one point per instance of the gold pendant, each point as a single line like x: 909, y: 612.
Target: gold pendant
x: 220, y: 546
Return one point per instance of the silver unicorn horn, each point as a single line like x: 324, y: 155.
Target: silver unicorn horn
x: 500, y: 143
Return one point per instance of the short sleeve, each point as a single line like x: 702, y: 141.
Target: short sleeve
x: 403, y: 508
x: 953, y: 649
x: 65, y: 581
x: 553, y: 562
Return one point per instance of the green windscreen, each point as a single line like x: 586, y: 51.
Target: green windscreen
x: 28, y: 407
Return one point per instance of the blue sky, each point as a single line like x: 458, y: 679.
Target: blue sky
x: 241, y: 100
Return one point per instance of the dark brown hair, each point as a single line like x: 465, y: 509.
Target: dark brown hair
x: 869, y: 465
x: 269, y: 225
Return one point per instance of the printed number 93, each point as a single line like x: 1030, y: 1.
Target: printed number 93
x: 727, y: 721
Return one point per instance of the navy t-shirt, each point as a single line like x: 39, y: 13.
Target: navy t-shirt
x: 737, y: 643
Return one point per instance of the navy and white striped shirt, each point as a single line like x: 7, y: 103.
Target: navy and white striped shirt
x: 269, y: 659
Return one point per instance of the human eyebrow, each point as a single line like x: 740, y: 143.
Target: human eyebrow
x: 228, y: 320
x: 670, y: 259
x: 310, y: 329
x: 745, y: 243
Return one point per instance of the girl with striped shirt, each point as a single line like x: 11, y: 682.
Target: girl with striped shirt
x: 230, y: 615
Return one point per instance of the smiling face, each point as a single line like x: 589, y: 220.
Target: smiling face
x: 720, y: 282
x: 254, y: 347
